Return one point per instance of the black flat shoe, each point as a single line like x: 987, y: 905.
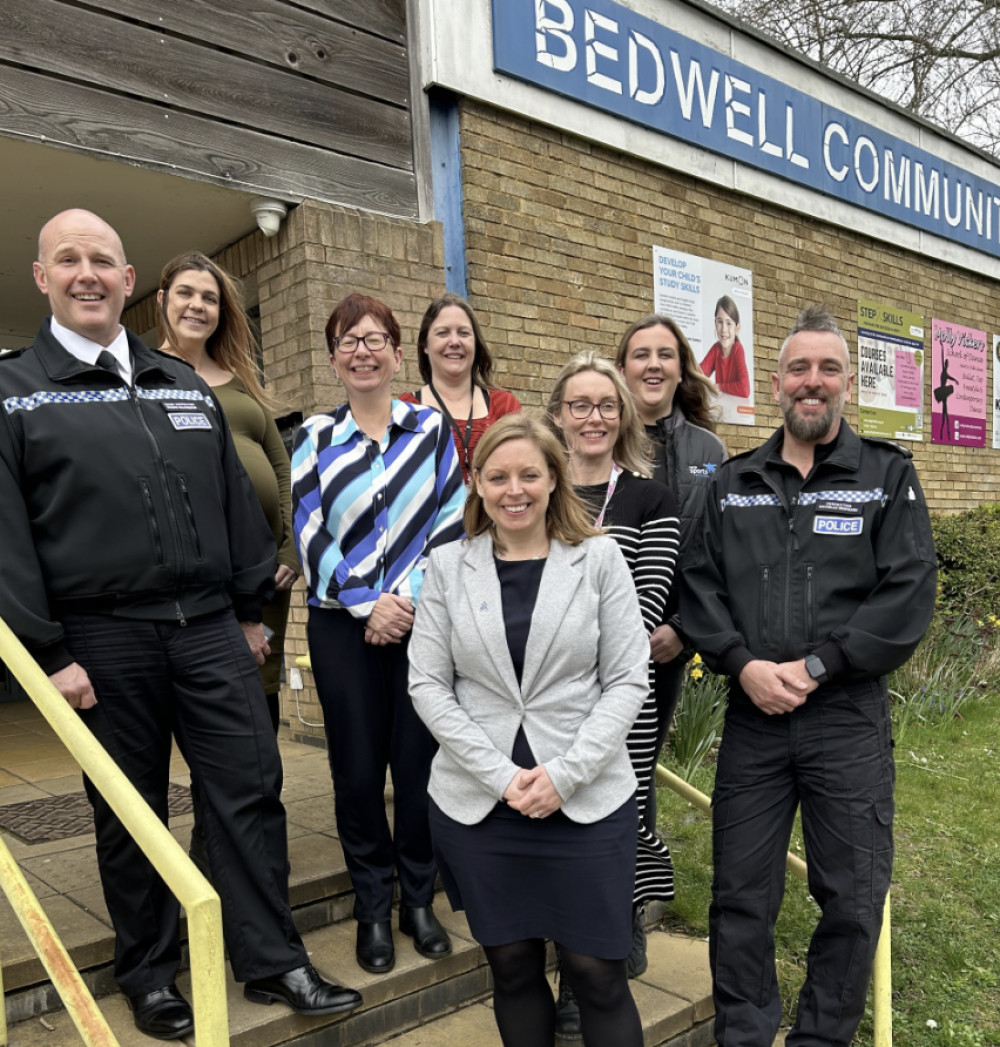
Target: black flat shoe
x: 305, y: 990
x: 375, y: 952
x: 162, y: 1013
x: 430, y: 939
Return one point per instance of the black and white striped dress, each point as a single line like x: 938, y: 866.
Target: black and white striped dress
x: 642, y: 517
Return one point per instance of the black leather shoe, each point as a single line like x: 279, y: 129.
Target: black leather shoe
x: 305, y: 990
x: 375, y: 952
x: 430, y: 939
x: 162, y: 1013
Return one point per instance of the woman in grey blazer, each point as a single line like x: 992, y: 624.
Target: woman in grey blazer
x: 528, y: 665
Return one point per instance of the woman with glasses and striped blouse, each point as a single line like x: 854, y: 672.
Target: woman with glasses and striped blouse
x: 375, y: 486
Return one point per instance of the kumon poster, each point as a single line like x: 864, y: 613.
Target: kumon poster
x: 958, y: 382
x: 712, y: 303
x: 890, y: 382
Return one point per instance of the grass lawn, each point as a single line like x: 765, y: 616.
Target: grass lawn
x: 945, y: 885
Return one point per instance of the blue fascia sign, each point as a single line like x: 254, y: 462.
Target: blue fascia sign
x: 604, y: 55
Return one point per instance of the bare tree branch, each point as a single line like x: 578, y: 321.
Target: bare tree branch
x: 938, y: 58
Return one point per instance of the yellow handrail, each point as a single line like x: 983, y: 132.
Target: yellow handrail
x: 882, y: 971
x: 201, y: 903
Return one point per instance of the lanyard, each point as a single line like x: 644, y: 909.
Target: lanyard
x: 464, y: 441
x: 612, y: 484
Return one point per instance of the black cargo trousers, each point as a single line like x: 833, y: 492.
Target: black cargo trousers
x: 833, y: 757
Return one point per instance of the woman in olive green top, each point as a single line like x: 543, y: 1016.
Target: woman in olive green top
x: 201, y: 319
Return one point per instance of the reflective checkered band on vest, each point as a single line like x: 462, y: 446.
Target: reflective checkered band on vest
x: 876, y: 494
x: 36, y: 400
x: 746, y: 501
x: 174, y: 394
x: 102, y: 396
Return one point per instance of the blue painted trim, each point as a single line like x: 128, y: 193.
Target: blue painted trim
x: 446, y: 163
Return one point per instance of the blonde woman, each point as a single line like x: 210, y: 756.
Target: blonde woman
x: 527, y: 663
x: 610, y: 466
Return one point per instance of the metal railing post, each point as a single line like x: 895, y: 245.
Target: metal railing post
x: 882, y: 983
x: 86, y: 1015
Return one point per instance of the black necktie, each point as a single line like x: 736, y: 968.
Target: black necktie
x: 107, y: 360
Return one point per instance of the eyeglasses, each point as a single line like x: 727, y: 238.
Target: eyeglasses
x: 374, y: 342
x: 608, y: 409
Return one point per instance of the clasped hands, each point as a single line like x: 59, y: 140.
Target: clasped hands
x: 532, y: 793
x: 391, y: 619
x: 777, y: 687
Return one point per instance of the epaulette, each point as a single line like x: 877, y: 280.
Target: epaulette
x: 10, y: 354
x: 172, y: 356
x: 737, y: 457
x: 880, y: 441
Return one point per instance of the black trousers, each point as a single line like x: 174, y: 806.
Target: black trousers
x: 832, y: 756
x: 370, y: 726
x: 198, y: 683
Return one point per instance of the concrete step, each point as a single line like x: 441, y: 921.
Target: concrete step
x: 67, y: 885
x: 421, y: 1002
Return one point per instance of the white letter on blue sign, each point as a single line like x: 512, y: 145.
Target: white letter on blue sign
x: 651, y: 97
x: 734, y: 108
x: 926, y: 198
x: 839, y: 173
x: 896, y: 188
x: 771, y: 148
x: 790, y: 154
x: 864, y: 143
x: 685, y: 91
x: 591, y: 23
x: 546, y: 27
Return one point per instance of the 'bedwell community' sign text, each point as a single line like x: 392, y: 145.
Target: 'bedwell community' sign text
x: 602, y: 54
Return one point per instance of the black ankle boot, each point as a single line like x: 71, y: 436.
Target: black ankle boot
x: 637, y: 961
x: 567, y: 1012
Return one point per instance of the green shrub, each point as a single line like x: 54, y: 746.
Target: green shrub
x: 968, y: 549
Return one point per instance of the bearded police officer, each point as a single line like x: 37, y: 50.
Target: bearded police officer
x: 814, y: 577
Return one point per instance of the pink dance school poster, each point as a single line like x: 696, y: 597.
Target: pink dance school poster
x: 958, y: 377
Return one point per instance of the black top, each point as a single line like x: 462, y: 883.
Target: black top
x: 642, y: 519
x: 519, y: 582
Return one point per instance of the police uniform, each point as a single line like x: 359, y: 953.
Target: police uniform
x: 133, y: 545
x: 838, y: 568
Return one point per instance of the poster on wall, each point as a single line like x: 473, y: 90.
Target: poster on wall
x: 712, y: 303
x: 890, y: 382
x: 958, y: 381
x: 996, y: 391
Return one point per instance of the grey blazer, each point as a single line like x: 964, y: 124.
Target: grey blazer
x: 585, y: 677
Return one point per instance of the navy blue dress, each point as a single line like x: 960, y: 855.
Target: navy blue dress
x: 518, y: 877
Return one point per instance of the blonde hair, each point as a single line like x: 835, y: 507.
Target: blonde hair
x: 566, y: 518
x: 633, y: 448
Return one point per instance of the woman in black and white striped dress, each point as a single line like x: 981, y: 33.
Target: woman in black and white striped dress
x: 610, y: 464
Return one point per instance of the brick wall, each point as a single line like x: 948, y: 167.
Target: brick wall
x: 559, y: 236
x: 321, y: 254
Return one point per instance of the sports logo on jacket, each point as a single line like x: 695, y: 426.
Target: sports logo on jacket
x: 705, y: 470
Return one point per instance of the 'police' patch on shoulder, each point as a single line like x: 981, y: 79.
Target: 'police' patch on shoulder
x: 192, y: 420
x: 838, y: 524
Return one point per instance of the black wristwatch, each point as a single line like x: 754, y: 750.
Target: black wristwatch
x: 816, y: 669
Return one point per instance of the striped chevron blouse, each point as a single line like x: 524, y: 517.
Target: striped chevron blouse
x: 366, y: 514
